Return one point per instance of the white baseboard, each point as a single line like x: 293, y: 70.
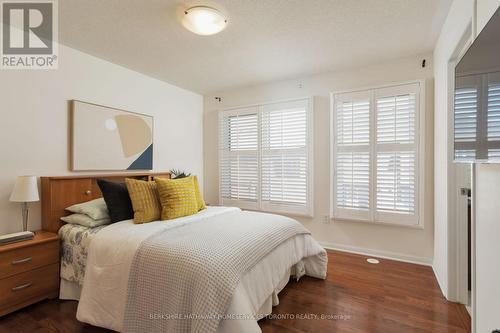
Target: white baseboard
x: 378, y: 253
x: 441, y: 285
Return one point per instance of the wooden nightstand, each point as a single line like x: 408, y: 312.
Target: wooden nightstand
x: 29, y: 271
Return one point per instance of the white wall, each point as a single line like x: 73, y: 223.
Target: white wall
x: 454, y: 28
x: 34, y: 120
x: 401, y: 242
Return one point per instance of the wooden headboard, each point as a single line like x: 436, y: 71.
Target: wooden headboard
x: 61, y: 192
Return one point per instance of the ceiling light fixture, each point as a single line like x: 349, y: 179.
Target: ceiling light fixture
x: 204, y: 20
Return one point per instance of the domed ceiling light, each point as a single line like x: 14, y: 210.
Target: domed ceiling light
x: 204, y: 20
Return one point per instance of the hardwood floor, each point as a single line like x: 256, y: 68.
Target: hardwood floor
x: 391, y: 297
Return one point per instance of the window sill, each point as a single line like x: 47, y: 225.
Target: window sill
x: 268, y: 208
x: 418, y: 226
x: 278, y: 212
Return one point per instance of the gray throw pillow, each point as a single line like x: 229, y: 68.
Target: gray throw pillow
x: 85, y: 220
x: 96, y: 209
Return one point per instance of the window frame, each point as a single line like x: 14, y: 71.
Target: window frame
x: 271, y: 207
x: 374, y: 216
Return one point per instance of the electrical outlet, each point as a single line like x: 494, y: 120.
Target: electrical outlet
x: 325, y: 219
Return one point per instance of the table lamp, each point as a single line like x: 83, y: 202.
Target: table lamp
x: 25, y: 190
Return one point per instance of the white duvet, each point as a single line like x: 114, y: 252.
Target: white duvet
x: 103, y: 297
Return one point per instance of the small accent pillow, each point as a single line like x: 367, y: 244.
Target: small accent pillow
x: 85, y: 220
x: 177, y: 197
x: 95, y: 209
x: 117, y: 199
x: 199, y: 196
x: 144, y: 199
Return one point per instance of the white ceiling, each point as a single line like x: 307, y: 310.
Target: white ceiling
x: 265, y: 40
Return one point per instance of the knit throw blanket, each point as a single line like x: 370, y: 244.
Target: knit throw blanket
x: 183, y: 279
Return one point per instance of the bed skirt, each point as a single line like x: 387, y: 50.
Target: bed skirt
x: 69, y: 290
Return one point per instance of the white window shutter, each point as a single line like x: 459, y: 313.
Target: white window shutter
x: 239, y: 158
x: 285, y: 156
x: 353, y: 122
x: 493, y: 118
x: 477, y: 133
x: 376, y: 154
x: 353, y: 180
x: 465, y: 122
x: 396, y: 119
x: 239, y: 177
x: 494, y: 112
x: 465, y: 114
x: 266, y: 157
x: 396, y: 152
x: 396, y: 181
x: 352, y: 156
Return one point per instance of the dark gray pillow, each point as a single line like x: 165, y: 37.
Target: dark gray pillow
x: 117, y: 199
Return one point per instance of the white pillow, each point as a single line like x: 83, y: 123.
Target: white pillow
x: 96, y: 209
x: 85, y: 220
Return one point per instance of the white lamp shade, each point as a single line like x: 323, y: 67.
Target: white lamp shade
x: 25, y: 189
x: 204, y: 20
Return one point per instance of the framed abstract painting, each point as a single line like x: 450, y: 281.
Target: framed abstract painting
x: 104, y: 138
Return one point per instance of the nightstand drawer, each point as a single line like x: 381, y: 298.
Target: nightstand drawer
x: 27, y: 258
x: 29, y: 285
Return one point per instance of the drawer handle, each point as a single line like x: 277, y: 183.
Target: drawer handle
x: 23, y: 286
x: 21, y: 261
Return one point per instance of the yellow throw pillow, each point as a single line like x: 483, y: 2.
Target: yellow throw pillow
x: 145, y: 201
x: 199, y: 196
x: 177, y: 197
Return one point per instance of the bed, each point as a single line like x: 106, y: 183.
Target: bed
x: 116, y: 290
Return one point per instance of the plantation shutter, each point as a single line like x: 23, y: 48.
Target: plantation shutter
x: 396, y: 153
x: 493, y: 117
x: 353, y: 180
x: 352, y: 150
x: 375, y: 154
x: 285, y: 156
x: 265, y: 157
x: 239, y: 158
x: 396, y: 181
x: 477, y: 117
x: 466, y: 106
x: 494, y: 112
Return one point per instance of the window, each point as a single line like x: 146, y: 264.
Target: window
x: 265, y: 157
x: 466, y: 117
x: 375, y: 155
x: 477, y: 134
